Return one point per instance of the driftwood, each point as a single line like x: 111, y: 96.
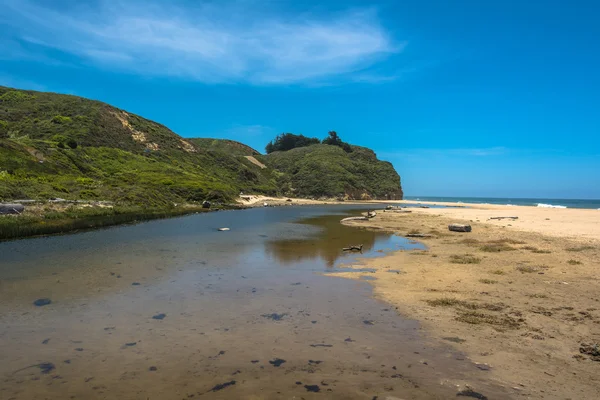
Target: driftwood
x: 459, y: 228
x: 419, y: 235
x: 11, y: 208
x: 355, y: 219
x: 504, y: 218
x: 353, y: 248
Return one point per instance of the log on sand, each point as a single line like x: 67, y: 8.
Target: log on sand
x: 419, y: 235
x: 353, y: 248
x: 504, y: 218
x: 459, y: 228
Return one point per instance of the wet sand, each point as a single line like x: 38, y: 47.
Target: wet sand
x: 520, y: 297
x: 174, y: 309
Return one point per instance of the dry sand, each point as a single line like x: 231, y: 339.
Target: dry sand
x: 519, y: 297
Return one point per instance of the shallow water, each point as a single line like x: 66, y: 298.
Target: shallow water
x: 175, y: 309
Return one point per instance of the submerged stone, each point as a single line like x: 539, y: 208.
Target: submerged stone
x: 274, y: 316
x: 277, y: 362
x: 46, y: 368
x: 222, y: 386
x: 42, y: 302
x: 312, y: 388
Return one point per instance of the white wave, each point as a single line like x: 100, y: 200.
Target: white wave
x: 549, y: 206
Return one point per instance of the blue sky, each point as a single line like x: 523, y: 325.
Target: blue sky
x: 472, y: 98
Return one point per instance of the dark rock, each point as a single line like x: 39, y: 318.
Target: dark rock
x: 315, y: 362
x: 159, y: 316
x: 591, y: 350
x: 274, y: 316
x: 276, y: 362
x: 348, y: 340
x: 368, y: 322
x: 79, y: 349
x: 298, y: 383
x: 45, y: 341
x: 206, y: 204
x: 321, y: 345
x: 130, y: 344
x: 312, y: 388
x: 67, y: 361
x: 42, y: 302
x: 135, y: 284
x: 11, y: 208
x: 222, y: 386
x: 152, y: 368
x: 254, y: 361
x: 472, y: 394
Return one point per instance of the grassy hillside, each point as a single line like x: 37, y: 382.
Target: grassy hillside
x: 325, y: 171
x: 54, y: 145
x: 61, y: 146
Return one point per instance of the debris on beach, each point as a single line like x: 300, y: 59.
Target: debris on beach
x: 353, y: 248
x: 459, y: 228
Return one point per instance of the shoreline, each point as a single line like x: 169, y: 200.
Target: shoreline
x: 519, y: 299
x: 51, y: 219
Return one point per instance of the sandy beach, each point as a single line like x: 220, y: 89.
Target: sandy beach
x: 519, y: 297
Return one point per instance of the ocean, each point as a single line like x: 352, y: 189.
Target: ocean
x: 548, y: 203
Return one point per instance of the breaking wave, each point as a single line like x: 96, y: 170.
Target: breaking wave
x: 549, y: 206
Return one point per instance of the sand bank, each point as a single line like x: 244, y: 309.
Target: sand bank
x: 519, y: 297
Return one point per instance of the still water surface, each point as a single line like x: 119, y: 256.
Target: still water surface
x: 174, y: 309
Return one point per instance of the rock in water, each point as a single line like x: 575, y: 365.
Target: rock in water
x: 42, y: 302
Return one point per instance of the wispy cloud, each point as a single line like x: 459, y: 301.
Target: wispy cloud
x: 212, y: 42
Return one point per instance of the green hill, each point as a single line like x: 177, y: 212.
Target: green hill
x: 328, y: 171
x: 54, y: 145
x: 61, y: 146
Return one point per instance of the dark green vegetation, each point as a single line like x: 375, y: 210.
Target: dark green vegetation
x: 61, y: 146
x: 289, y: 141
x: 73, y: 218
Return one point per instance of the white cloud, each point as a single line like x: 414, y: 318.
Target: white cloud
x: 212, y: 42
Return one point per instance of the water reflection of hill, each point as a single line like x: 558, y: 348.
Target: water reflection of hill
x: 327, y: 244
